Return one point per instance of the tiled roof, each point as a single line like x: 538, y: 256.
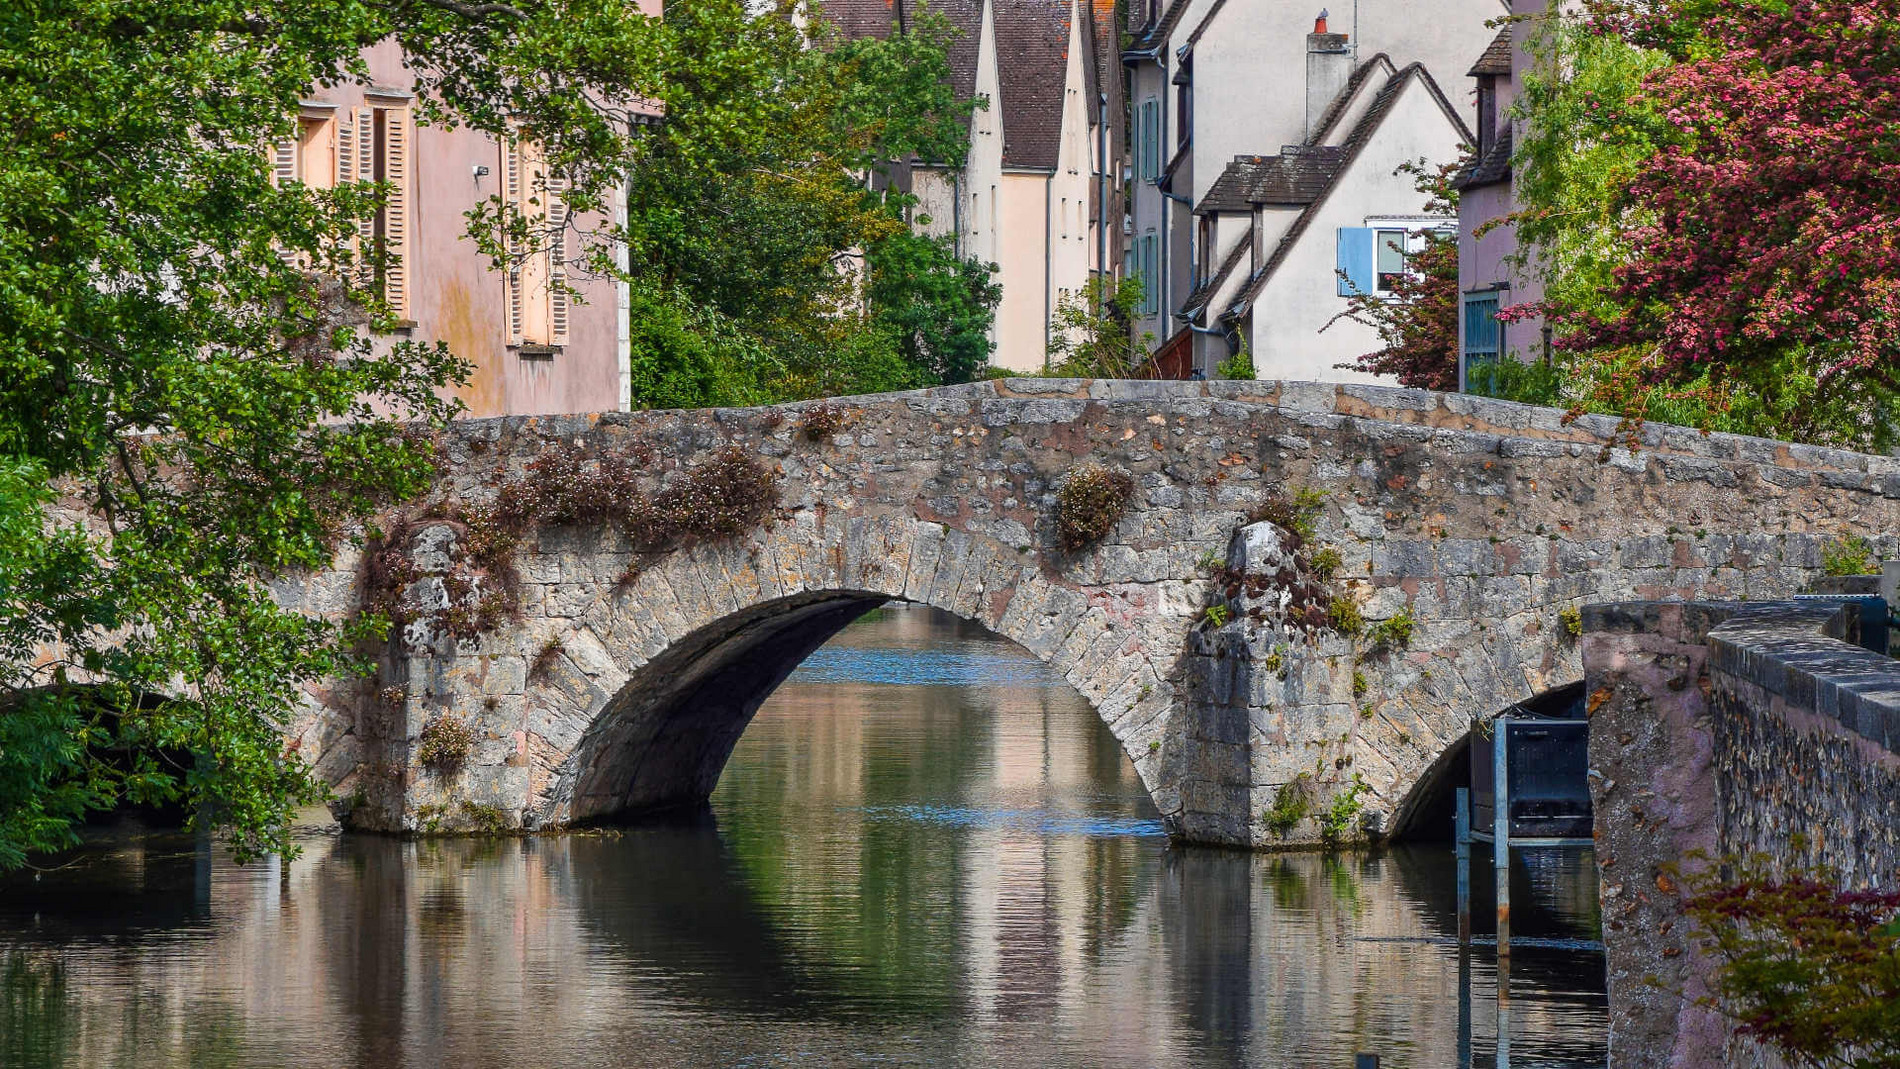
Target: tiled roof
x: 1156, y: 36
x: 1205, y: 291
x: 1496, y: 58
x: 1331, y: 116
x: 1298, y: 175
x: 1032, y: 57
x: 1492, y: 167
x: 1361, y: 134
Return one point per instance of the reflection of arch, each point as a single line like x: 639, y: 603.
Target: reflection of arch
x: 1426, y: 810
x: 656, y: 679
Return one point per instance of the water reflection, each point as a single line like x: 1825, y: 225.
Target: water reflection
x: 899, y: 866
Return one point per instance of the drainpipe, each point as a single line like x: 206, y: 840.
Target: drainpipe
x: 1101, y: 183
x: 956, y: 211
x: 1048, y: 192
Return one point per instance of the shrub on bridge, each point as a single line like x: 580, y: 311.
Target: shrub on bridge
x: 1089, y: 505
x: 445, y: 743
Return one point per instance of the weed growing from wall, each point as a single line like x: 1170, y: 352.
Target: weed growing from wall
x: 445, y: 744
x: 1291, y: 804
x: 1337, y: 822
x: 725, y: 497
x: 1090, y: 504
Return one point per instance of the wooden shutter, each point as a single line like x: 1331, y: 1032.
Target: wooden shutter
x: 396, y: 228
x: 1355, y: 260
x: 511, y: 203
x: 365, y: 155
x: 283, y: 162
x: 557, y: 261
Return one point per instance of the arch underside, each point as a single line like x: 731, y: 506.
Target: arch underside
x: 664, y: 738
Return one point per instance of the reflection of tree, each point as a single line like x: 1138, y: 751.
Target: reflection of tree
x: 39, y: 1018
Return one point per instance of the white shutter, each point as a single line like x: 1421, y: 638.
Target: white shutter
x: 557, y: 261
x: 283, y: 163
x: 365, y: 153
x: 396, y: 236
x: 511, y: 203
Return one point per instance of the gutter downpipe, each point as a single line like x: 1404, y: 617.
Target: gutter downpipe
x: 1101, y: 165
x: 1048, y: 193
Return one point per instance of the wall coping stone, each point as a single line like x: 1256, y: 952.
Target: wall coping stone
x: 1801, y: 652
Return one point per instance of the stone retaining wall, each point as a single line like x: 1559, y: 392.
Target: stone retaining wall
x: 1717, y: 731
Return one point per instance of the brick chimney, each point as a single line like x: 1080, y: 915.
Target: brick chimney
x: 1328, y: 68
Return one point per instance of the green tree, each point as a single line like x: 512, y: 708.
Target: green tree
x: 752, y: 215
x: 187, y: 406
x: 1091, y: 334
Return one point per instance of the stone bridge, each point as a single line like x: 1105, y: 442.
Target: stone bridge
x: 621, y: 681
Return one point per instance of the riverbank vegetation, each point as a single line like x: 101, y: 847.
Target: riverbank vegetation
x: 191, y: 399
x: 1702, y: 188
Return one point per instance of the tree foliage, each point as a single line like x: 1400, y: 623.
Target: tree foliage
x: 1092, y: 332
x: 1418, y: 321
x: 778, y: 270
x: 190, y: 400
x: 1806, y: 968
x: 1704, y: 187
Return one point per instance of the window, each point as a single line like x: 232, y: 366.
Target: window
x: 1372, y: 259
x: 1487, y: 111
x: 1184, y: 101
x: 535, y: 295
x: 1203, y: 252
x: 1483, y: 341
x: 1148, y: 140
x: 1064, y: 217
x: 1146, y: 265
x: 338, y: 147
x: 1388, y: 254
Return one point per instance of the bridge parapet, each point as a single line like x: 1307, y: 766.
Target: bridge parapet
x: 1727, y: 731
x: 1480, y: 521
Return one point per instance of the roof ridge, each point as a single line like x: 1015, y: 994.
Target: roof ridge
x: 1355, y: 143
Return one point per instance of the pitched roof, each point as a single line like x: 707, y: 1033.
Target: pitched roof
x: 1337, y: 109
x: 1190, y: 308
x: 1496, y: 58
x: 1032, y: 60
x: 1298, y: 175
x: 1492, y: 167
x: 1156, y: 36
x: 1362, y: 133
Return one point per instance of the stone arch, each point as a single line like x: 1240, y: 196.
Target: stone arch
x: 651, y: 681
x: 1423, y: 811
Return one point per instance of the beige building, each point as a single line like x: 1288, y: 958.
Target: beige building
x: 1038, y: 195
x: 542, y: 336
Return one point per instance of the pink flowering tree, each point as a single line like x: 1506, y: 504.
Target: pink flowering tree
x: 1767, y: 220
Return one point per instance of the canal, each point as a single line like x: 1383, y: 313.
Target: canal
x: 926, y: 850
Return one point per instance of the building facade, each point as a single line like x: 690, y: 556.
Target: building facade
x: 1038, y: 194
x: 1491, y: 275
x: 541, y: 335
x: 1215, y: 81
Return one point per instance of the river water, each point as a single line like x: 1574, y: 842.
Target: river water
x: 925, y: 851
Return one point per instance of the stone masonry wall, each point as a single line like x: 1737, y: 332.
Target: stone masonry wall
x: 1483, y: 520
x: 1718, y: 731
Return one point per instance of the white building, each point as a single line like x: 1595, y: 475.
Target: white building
x: 1034, y: 197
x: 1213, y: 82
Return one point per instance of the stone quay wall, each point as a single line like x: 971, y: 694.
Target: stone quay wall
x: 1487, y: 523
x: 1724, y: 731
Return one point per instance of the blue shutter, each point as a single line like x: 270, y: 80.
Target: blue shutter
x: 1355, y: 259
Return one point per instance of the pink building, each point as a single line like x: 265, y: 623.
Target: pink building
x: 1489, y: 276
x: 543, y: 337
